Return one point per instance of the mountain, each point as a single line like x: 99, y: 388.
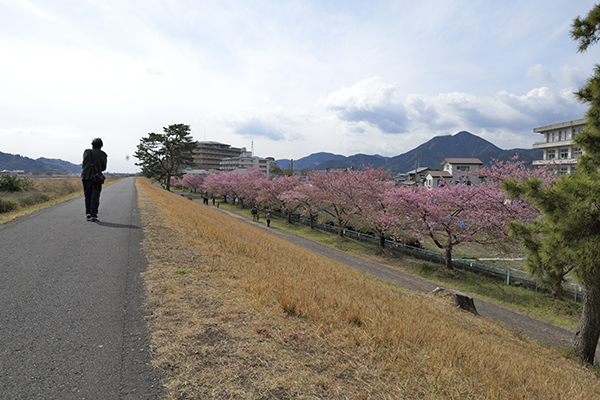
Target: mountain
x: 461, y: 145
x: 355, y: 161
x: 430, y: 154
x: 15, y: 162
x: 310, y: 162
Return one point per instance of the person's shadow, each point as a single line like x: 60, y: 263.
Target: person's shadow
x: 113, y: 225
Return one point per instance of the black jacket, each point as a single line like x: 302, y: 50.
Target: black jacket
x: 100, y: 159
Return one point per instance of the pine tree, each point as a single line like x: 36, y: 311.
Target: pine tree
x: 566, y: 240
x: 164, y: 155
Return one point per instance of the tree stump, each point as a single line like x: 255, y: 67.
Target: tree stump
x: 458, y: 299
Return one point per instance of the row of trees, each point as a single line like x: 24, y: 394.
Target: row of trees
x: 369, y: 201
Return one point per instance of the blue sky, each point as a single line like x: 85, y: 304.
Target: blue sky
x: 290, y: 77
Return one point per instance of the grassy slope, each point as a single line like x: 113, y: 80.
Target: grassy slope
x: 563, y: 312
x: 237, y: 313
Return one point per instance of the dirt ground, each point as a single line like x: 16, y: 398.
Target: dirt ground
x: 527, y: 326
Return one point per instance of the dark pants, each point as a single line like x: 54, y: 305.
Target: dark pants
x: 91, y: 192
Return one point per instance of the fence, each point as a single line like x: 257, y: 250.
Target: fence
x: 508, y: 276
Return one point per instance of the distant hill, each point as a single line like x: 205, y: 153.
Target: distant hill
x: 461, y: 145
x: 430, y: 154
x: 310, y: 162
x: 355, y: 161
x: 42, y: 166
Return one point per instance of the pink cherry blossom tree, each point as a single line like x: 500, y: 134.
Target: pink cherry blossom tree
x: 192, y: 181
x: 302, y: 195
x: 336, y: 194
x: 271, y: 195
x: 455, y: 214
x: 222, y: 183
x: 250, y: 185
x: 176, y: 181
x: 372, y: 210
x: 499, y: 171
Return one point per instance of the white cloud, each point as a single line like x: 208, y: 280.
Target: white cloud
x: 255, y: 127
x: 539, y: 74
x: 573, y: 76
x: 369, y: 102
x: 28, y: 8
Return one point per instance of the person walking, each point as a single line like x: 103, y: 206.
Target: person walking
x: 94, y: 162
x: 268, y: 218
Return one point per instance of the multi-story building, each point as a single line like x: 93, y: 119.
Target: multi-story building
x: 558, y: 145
x: 208, y: 155
x: 245, y: 162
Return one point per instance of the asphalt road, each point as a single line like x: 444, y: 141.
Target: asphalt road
x: 71, y: 317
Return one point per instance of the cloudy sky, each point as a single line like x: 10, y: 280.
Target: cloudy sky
x: 290, y: 78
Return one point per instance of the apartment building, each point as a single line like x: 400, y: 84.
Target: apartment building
x: 208, y: 155
x: 245, y: 162
x: 558, y: 145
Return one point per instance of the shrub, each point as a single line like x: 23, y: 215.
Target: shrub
x: 7, y: 205
x: 424, y: 268
x: 32, y: 199
x: 14, y: 183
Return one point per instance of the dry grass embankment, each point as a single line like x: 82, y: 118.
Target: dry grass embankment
x: 238, y: 313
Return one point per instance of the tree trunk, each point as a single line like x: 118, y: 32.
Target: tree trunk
x: 382, y: 241
x: 588, y: 329
x: 312, y: 222
x: 289, y: 218
x: 448, y: 251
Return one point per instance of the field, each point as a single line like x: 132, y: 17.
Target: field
x: 45, y: 192
x: 237, y: 313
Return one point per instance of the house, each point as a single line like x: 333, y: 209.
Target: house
x: 436, y: 178
x: 455, y: 170
x: 411, y: 179
x: 558, y: 145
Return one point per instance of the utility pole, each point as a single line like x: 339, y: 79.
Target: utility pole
x: 416, y: 165
x: 292, y: 167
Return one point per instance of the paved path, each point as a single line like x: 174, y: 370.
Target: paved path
x: 544, y: 332
x: 71, y: 320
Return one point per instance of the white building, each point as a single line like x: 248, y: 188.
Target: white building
x: 245, y: 162
x: 455, y: 170
x: 410, y: 178
x: 558, y: 146
x: 207, y: 155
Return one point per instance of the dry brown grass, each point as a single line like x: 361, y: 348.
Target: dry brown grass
x: 55, y: 184
x: 56, y: 190
x: 239, y: 314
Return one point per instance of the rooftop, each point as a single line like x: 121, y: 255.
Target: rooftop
x: 472, y: 161
x: 560, y: 124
